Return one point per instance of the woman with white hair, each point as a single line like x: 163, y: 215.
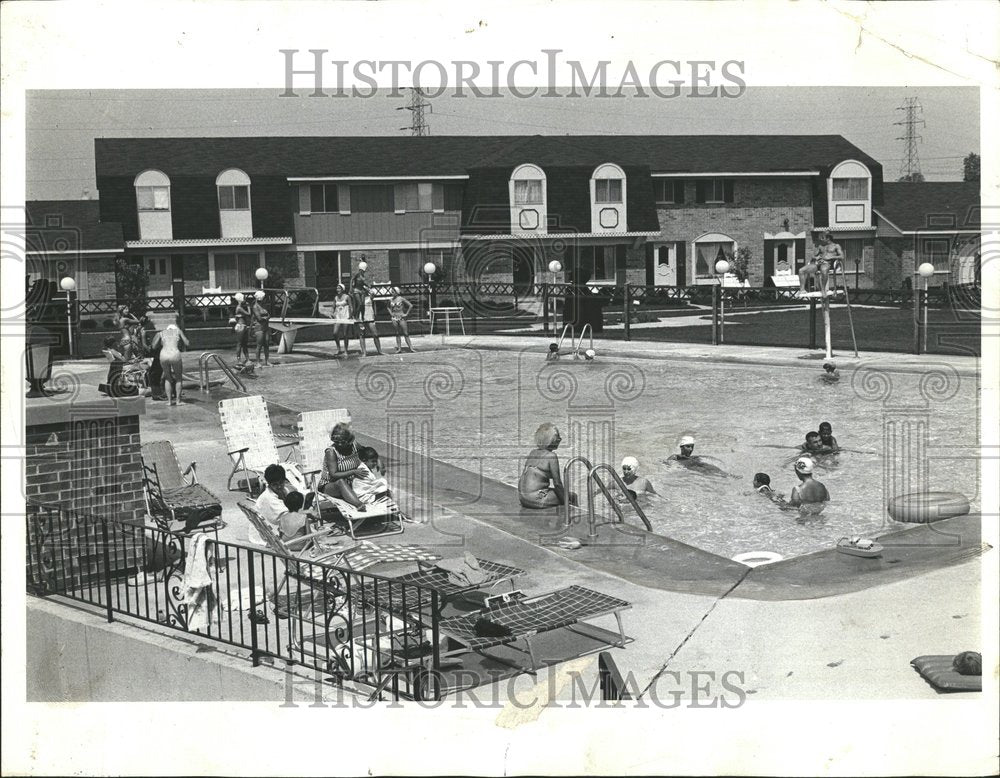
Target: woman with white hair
x: 540, y: 484
x: 262, y: 319
x: 399, y: 309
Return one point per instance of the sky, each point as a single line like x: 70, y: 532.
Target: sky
x: 62, y: 124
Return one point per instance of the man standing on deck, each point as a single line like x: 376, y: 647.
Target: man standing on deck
x: 810, y: 496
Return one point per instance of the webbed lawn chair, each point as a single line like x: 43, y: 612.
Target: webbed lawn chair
x: 251, y: 444
x: 314, y: 429
x: 174, y: 495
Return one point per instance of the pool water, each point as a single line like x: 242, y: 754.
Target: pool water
x: 486, y: 405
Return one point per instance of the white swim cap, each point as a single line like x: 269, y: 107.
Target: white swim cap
x: 239, y: 297
x: 632, y: 463
x: 686, y: 440
x: 803, y: 465
x: 259, y: 294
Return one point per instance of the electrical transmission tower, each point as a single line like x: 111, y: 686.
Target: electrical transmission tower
x: 418, y: 109
x: 909, y: 170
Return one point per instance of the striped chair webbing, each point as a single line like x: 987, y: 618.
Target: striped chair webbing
x: 246, y: 424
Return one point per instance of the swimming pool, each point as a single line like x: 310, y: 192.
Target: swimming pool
x: 479, y: 409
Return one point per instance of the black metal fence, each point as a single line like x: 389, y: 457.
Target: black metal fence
x: 375, y: 633
x: 886, y: 319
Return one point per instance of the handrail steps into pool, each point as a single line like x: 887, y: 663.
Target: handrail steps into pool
x: 203, y: 362
x: 593, y: 477
x: 570, y: 330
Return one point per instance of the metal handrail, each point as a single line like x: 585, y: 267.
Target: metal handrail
x: 204, y: 359
x: 288, y: 297
x: 572, y: 337
x: 586, y: 463
x: 592, y: 478
x: 583, y: 333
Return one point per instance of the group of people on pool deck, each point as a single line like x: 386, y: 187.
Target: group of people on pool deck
x: 351, y: 473
x: 541, y: 486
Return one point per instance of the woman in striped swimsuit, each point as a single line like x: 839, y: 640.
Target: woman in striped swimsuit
x: 340, y: 464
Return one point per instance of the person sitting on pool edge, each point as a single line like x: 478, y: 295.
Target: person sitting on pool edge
x: 540, y: 484
x: 636, y: 484
x: 810, y: 495
x: 762, y: 485
x: 686, y: 458
x: 826, y: 438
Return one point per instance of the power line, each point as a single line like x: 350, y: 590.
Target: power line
x: 910, y: 167
x: 418, y: 107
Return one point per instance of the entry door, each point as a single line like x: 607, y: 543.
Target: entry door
x: 523, y: 268
x: 328, y: 270
x: 665, y: 269
x: 779, y: 260
x: 160, y: 274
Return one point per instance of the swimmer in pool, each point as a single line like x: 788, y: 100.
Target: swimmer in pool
x: 829, y: 443
x: 762, y: 485
x: 553, y: 354
x: 630, y: 475
x: 830, y: 374
x: 686, y: 458
x: 540, y: 484
x: 810, y: 496
x: 813, y: 444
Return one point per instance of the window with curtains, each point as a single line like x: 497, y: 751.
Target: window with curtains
x: 414, y: 197
x: 236, y: 271
x: 937, y: 251
x: 411, y: 265
x: 234, y: 198
x: 323, y: 198
x: 708, y: 253
x: 608, y: 190
x: 850, y: 189
x: 153, y: 198
x: 669, y: 190
x: 528, y: 192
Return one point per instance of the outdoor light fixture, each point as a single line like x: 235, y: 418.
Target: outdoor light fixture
x: 722, y: 267
x: 926, y: 270
x: 430, y: 269
x: 68, y: 285
x: 262, y: 275
x: 555, y: 266
x: 38, y: 359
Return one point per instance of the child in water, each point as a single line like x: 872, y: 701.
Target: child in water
x: 830, y: 374
x: 553, y: 354
x: 762, y: 485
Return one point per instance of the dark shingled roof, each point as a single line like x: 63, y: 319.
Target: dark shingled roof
x: 931, y: 205
x: 455, y: 155
x: 69, y: 225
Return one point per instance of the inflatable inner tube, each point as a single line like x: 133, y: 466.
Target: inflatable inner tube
x: 757, y: 558
x: 928, y: 506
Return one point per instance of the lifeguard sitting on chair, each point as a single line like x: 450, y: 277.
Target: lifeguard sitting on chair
x: 827, y: 257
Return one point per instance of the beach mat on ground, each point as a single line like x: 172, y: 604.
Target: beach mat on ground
x: 937, y: 670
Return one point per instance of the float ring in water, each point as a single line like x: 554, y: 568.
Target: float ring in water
x: 921, y: 508
x: 757, y: 558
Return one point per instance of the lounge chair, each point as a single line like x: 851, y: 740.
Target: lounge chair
x: 314, y: 429
x: 251, y: 443
x: 174, y: 495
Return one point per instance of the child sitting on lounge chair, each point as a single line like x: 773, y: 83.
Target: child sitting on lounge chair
x: 293, y: 522
x: 370, y: 484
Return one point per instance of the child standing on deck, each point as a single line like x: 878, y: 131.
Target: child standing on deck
x: 399, y: 309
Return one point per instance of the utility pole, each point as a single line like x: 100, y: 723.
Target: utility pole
x: 418, y: 107
x: 909, y: 170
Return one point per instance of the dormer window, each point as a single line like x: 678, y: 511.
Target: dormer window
x: 233, y: 188
x: 152, y: 198
x: 528, y: 210
x: 849, y: 193
x: 607, y: 199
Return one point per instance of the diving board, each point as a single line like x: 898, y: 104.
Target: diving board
x: 289, y: 329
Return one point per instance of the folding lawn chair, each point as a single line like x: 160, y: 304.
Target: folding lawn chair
x: 314, y: 429
x: 251, y: 445
x: 173, y: 495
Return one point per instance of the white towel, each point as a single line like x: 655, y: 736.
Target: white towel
x: 197, y: 586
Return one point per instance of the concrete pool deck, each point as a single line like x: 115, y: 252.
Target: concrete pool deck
x: 847, y: 645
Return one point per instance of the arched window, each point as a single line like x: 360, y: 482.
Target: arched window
x: 850, y: 192
x: 234, y: 190
x: 607, y: 199
x: 528, y: 211
x: 152, y: 199
x: 709, y: 249
x: 152, y: 191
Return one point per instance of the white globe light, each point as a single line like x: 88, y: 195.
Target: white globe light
x: 261, y: 274
x: 722, y: 267
x: 362, y: 265
x: 926, y: 270
x: 555, y: 266
x: 68, y: 284
x: 430, y: 268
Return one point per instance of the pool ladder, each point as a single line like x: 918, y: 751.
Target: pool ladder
x: 570, y: 330
x: 594, y: 479
x: 203, y: 363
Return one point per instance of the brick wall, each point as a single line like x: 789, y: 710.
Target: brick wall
x: 92, y: 465
x: 101, y: 283
x: 378, y: 264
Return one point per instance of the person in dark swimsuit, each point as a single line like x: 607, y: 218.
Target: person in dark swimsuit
x: 340, y: 464
x: 540, y: 484
x: 262, y: 317
x: 242, y: 329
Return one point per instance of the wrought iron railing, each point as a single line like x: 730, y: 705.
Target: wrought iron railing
x: 376, y: 634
